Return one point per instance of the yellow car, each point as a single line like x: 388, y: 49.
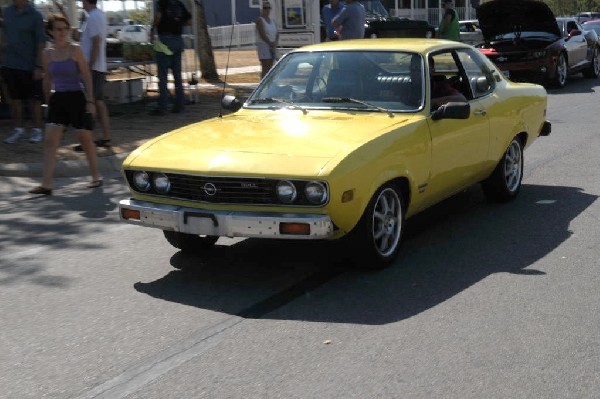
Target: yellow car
x: 341, y: 140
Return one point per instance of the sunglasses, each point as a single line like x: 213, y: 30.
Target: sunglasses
x: 61, y: 29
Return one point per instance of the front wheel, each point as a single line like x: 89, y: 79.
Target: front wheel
x: 593, y: 70
x: 504, y: 183
x: 560, y: 73
x: 190, y: 242
x: 375, y: 240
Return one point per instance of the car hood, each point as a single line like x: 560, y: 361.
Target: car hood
x: 499, y: 17
x: 257, y: 142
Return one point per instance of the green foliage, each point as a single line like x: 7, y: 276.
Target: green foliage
x: 140, y: 16
x: 562, y: 8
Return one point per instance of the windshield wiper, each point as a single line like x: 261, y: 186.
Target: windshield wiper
x: 355, y: 101
x: 281, y: 101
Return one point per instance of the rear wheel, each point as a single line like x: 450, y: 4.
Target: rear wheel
x: 593, y: 70
x: 190, y: 242
x: 375, y: 240
x: 504, y: 183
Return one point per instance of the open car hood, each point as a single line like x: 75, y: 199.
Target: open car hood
x: 499, y: 17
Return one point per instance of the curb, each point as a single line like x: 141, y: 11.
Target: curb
x: 78, y: 168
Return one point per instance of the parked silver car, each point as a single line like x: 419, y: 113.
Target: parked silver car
x: 470, y: 32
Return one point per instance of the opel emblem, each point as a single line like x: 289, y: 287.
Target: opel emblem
x: 209, y: 189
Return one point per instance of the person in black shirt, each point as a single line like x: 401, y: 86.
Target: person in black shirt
x: 169, y: 18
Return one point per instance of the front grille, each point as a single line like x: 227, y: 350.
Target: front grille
x: 222, y: 190
x: 515, y: 56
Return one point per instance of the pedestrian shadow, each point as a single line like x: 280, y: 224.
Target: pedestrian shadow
x: 446, y: 250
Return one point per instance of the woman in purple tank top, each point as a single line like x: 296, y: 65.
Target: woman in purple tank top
x: 68, y: 90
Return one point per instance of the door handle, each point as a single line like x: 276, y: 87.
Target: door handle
x: 481, y: 112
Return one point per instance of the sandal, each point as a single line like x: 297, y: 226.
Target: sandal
x: 105, y: 143
x: 99, y: 143
x: 41, y: 190
x: 95, y: 184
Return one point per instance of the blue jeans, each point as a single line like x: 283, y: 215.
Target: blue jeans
x: 164, y: 63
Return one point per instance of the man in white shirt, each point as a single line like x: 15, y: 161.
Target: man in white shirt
x: 93, y: 43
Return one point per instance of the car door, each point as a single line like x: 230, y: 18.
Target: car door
x: 576, y: 45
x: 460, y: 146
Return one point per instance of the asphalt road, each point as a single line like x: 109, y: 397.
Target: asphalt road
x: 485, y: 300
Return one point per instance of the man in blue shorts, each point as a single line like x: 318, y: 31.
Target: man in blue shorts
x: 23, y: 41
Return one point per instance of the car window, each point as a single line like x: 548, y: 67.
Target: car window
x: 571, y: 25
x: 447, y: 80
x: 480, y: 77
x: 392, y: 80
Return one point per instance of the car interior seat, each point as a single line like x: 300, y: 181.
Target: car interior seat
x: 343, y: 83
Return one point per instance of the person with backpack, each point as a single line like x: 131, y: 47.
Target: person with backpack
x: 169, y: 18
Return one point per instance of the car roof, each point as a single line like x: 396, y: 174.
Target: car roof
x: 422, y: 46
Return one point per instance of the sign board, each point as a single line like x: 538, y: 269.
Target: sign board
x: 295, y: 39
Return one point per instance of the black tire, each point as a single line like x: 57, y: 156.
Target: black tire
x: 593, y: 70
x: 560, y: 72
x: 375, y: 240
x: 504, y: 183
x: 190, y: 242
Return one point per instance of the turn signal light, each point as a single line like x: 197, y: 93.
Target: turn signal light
x: 130, y: 214
x: 298, y: 229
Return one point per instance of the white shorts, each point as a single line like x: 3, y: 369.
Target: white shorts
x: 264, y: 52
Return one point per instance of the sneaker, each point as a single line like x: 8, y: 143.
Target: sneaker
x: 15, y: 136
x: 36, y: 135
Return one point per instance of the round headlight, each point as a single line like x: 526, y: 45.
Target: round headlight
x: 316, y: 192
x: 161, y: 183
x: 141, y: 181
x: 286, y: 191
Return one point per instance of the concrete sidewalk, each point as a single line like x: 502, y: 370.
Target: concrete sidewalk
x: 131, y: 126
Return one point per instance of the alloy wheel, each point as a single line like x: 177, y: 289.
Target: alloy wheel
x: 513, y: 166
x: 387, y: 222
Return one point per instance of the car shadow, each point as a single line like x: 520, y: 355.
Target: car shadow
x: 576, y: 84
x: 446, y: 250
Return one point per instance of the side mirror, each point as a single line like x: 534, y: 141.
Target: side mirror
x: 231, y: 103
x: 452, y: 111
x: 574, y: 32
x: 482, y: 85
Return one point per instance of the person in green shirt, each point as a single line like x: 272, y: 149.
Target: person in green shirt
x: 449, y: 25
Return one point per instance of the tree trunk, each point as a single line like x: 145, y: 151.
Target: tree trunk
x: 205, y: 51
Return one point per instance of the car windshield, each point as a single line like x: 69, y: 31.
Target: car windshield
x: 359, y: 80
x: 374, y: 8
x: 592, y: 26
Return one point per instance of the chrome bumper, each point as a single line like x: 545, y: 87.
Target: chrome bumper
x: 223, y: 223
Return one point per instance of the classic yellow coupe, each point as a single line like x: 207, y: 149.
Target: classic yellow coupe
x: 341, y: 140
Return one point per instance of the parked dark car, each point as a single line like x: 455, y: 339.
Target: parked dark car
x: 524, y: 39
x: 379, y: 24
